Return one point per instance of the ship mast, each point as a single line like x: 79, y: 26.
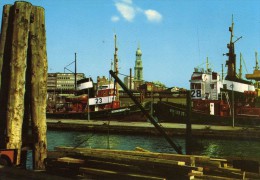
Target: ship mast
x: 231, y: 62
x: 256, y: 69
x: 240, y: 67
x: 116, y: 68
x: 256, y: 62
x: 207, y: 64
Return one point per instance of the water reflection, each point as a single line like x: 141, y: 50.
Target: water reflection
x: 212, y: 150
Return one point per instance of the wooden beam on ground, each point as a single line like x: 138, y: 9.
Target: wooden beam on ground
x: 118, y: 175
x: 134, y: 163
x: 188, y: 159
x: 114, y: 163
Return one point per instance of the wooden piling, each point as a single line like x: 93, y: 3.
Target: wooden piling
x: 4, y: 68
x: 15, y: 106
x: 23, y: 75
x: 38, y: 62
x: 4, y: 28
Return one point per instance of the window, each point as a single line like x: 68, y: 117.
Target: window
x: 214, y: 76
x: 195, y: 86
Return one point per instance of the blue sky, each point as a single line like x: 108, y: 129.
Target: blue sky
x: 174, y: 35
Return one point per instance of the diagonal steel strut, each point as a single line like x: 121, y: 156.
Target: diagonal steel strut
x: 152, y: 120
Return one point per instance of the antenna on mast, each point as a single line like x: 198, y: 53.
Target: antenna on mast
x: 207, y: 64
x: 256, y: 61
x: 116, y: 67
x: 231, y: 62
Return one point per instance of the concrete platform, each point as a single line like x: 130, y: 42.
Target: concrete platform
x: 211, y: 131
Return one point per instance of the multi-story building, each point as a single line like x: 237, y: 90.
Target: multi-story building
x: 62, y: 82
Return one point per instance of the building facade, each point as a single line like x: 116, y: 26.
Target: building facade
x: 129, y: 82
x: 62, y: 82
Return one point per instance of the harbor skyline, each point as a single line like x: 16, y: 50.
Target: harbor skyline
x: 174, y: 36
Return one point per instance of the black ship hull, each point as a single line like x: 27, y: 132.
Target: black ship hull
x: 120, y: 114
x: 172, y: 112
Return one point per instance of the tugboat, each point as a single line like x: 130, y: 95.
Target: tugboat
x: 219, y: 100
x: 103, y: 104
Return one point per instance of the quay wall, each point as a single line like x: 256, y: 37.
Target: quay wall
x: 172, y: 129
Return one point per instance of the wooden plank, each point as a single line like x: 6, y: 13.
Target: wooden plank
x: 224, y: 172
x: 207, y: 177
x: 223, y: 162
x: 115, y: 174
x: 112, y: 166
x: 71, y: 160
x: 147, y: 164
x: 189, y: 160
x: 130, y: 163
x: 139, y: 149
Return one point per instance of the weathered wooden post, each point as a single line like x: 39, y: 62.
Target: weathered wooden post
x: 4, y: 28
x: 4, y: 68
x: 38, y: 61
x: 23, y: 67
x: 15, y: 106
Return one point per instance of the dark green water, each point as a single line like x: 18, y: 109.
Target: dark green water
x: 209, y: 147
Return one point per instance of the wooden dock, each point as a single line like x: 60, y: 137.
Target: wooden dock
x: 141, y: 164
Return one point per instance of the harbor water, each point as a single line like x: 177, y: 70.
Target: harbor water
x: 215, y: 148
x: 210, y: 147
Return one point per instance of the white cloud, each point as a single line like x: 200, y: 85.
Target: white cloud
x: 153, y: 15
x: 126, y: 10
x: 115, y: 18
